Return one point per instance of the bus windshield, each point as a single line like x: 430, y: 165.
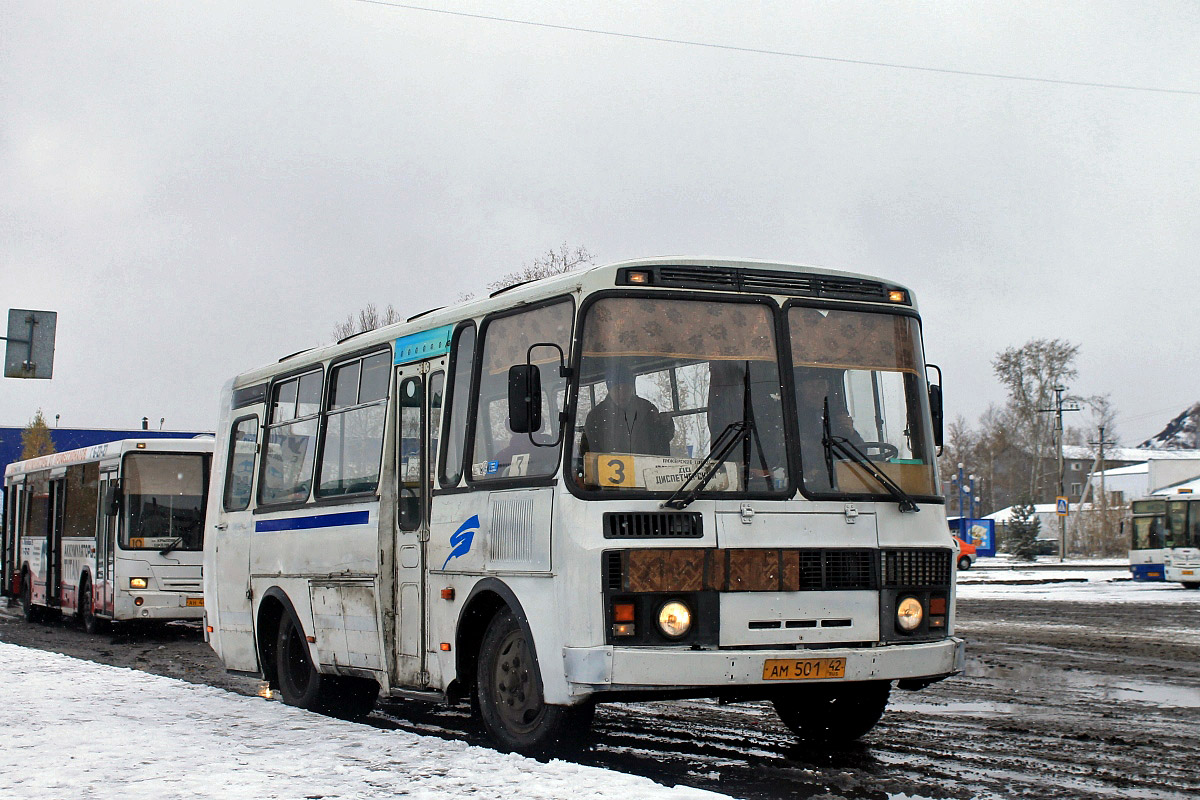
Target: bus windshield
x: 164, y: 498
x: 861, y: 405
x: 662, y: 379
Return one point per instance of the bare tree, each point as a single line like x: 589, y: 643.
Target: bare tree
x: 1030, y: 373
x: 368, y: 319
x: 552, y: 262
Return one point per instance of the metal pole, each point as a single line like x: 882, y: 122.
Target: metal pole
x: 1058, y: 431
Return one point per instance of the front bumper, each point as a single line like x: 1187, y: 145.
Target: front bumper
x: 158, y: 605
x: 604, y: 669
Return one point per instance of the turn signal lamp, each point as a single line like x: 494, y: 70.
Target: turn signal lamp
x: 897, y: 296
x: 937, y: 605
x: 445, y: 647
x: 622, y: 612
x: 624, y: 629
x: 448, y: 593
x: 638, y: 278
x: 137, y: 583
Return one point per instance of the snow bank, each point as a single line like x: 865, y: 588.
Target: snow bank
x: 80, y: 729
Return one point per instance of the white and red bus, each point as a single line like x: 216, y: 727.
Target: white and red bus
x: 655, y: 479
x: 109, y: 533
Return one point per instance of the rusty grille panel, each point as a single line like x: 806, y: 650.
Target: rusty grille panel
x: 740, y: 570
x: 915, y: 568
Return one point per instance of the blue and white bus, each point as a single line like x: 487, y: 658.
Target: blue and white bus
x: 1147, y: 548
x: 655, y: 479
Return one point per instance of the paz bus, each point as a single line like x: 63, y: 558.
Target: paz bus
x: 108, y: 533
x: 664, y: 478
x: 1147, y: 548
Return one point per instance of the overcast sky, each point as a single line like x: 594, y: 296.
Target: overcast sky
x: 200, y: 188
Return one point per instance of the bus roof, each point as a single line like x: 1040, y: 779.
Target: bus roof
x: 590, y: 279
x: 101, y: 452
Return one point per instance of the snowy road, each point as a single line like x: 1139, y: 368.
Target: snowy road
x: 1087, y: 687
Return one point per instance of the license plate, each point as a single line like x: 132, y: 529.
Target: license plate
x: 194, y: 601
x: 800, y: 669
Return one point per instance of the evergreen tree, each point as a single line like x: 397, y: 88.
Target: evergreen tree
x: 1023, y: 529
x: 35, y: 438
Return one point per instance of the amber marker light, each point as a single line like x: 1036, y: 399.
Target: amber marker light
x: 937, y: 605
x: 137, y: 583
x: 445, y: 647
x: 622, y: 612
x: 898, y: 296
x: 638, y: 278
x: 448, y: 593
x: 209, y: 628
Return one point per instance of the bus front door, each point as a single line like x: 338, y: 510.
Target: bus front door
x: 54, y: 554
x: 419, y: 389
x: 106, y: 529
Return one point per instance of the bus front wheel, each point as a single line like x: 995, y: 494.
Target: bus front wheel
x: 511, y: 702
x: 833, y: 713
x: 87, y: 609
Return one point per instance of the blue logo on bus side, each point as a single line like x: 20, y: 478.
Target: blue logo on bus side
x: 461, y: 539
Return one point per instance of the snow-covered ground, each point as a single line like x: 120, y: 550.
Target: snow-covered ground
x: 1073, y: 581
x: 77, y: 729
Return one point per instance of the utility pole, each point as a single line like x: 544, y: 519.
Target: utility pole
x: 1059, y: 408
x: 1103, y: 490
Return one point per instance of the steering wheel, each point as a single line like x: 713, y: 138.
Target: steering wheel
x: 880, y: 450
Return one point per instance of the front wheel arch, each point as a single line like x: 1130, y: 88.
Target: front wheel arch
x: 488, y: 597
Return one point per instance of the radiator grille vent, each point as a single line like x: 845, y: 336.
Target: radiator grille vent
x: 613, y: 571
x: 848, y: 569
x: 915, y: 568
x: 628, y: 525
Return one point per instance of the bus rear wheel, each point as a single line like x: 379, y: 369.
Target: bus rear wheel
x: 511, y: 702
x: 31, y: 612
x: 833, y: 713
x: 301, y: 685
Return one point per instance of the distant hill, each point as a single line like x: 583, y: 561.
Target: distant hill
x: 1181, y: 433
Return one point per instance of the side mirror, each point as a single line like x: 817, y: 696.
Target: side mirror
x: 935, y: 412
x: 524, y: 398
x: 112, y: 499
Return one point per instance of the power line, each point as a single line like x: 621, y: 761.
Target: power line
x: 781, y: 53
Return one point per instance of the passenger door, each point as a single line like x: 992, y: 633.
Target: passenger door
x: 106, y: 532
x: 419, y: 390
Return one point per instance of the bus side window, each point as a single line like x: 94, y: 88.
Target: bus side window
x: 352, y: 436
x: 497, y: 451
x: 458, y: 402
x: 240, y: 468
x: 291, y: 440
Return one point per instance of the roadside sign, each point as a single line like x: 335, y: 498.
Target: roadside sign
x: 29, y: 351
x: 1061, y: 506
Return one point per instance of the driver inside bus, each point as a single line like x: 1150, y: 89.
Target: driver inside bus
x: 814, y: 393
x: 624, y: 423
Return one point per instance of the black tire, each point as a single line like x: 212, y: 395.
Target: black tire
x: 508, y: 686
x: 1191, y: 586
x: 964, y: 563
x: 31, y: 612
x: 301, y: 685
x: 833, y: 713
x: 87, y: 610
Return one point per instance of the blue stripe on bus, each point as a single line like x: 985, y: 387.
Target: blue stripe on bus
x: 426, y: 344
x: 306, y: 523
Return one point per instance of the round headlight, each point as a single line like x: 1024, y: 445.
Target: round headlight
x: 909, y: 614
x: 674, y: 619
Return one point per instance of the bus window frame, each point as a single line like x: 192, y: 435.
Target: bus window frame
x: 778, y: 325
x: 314, y: 496
x: 476, y: 376
x: 444, y: 485
x: 259, y: 506
x: 229, y: 464
x: 839, y: 305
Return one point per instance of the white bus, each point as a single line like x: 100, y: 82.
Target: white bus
x: 1147, y: 547
x: 1181, y: 557
x: 109, y: 533
x: 655, y: 479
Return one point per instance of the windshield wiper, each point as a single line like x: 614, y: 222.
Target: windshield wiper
x: 848, y: 449
x: 178, y: 540
x: 707, y: 467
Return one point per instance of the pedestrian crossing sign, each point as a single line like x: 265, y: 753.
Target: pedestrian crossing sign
x: 1061, y: 506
